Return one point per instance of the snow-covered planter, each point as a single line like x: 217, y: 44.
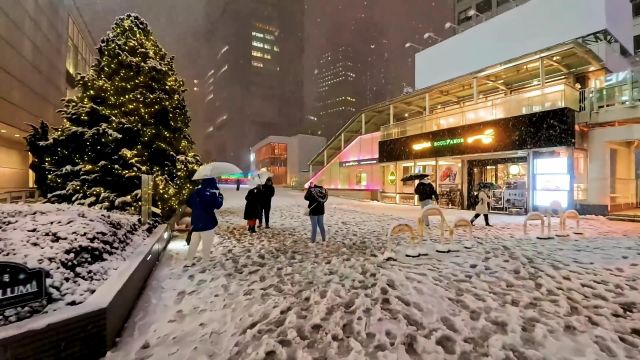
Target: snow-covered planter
x: 79, y: 247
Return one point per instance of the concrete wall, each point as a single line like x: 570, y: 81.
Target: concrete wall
x: 601, y: 141
x: 14, y: 164
x: 33, y: 76
x: 535, y: 25
x: 33, y: 37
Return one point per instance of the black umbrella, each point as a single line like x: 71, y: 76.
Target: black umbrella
x: 414, y: 177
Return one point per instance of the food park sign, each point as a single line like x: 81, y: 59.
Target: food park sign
x: 20, y: 285
x: 552, y: 128
x: 358, y: 162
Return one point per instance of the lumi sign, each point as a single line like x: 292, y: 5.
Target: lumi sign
x: 20, y: 285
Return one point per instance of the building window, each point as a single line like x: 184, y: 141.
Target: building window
x: 78, y: 54
x: 270, y: 37
x: 483, y: 6
x: 463, y: 16
x: 257, y: 63
x: 636, y: 44
x: 257, y: 44
x: 635, y: 7
x: 257, y: 34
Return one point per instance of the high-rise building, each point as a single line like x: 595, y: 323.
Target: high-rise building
x: 337, y: 89
x: 635, y: 9
x: 469, y: 13
x: 43, y: 45
x: 254, y: 87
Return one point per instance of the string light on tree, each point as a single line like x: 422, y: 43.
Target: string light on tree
x: 128, y: 119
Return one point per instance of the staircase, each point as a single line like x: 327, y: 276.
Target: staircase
x: 625, y: 216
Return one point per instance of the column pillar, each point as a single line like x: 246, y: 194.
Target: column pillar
x: 390, y: 114
x: 475, y: 90
x: 363, y: 125
x: 325, y: 158
x: 426, y: 104
x: 542, y: 78
x: 342, y: 139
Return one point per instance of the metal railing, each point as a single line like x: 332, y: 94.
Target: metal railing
x: 547, y: 98
x: 18, y: 195
x: 613, y: 90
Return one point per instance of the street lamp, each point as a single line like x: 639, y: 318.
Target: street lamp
x: 410, y: 44
x: 450, y: 25
x: 432, y: 35
x: 472, y: 12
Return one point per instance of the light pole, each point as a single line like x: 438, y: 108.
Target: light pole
x: 450, y: 25
x: 432, y: 35
x: 410, y: 44
x: 472, y: 12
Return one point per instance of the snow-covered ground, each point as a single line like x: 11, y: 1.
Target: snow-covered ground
x: 275, y: 296
x: 79, y: 247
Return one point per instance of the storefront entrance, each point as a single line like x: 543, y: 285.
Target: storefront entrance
x: 509, y: 177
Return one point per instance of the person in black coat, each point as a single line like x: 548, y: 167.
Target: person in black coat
x: 268, y: 191
x: 252, y: 208
x: 316, y: 195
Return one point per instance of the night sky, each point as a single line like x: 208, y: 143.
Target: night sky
x: 179, y: 27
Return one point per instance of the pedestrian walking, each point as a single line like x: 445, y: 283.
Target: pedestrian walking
x: 204, y: 201
x: 426, y: 193
x: 238, y: 184
x: 482, y: 204
x: 268, y: 192
x: 252, y: 208
x: 316, y: 195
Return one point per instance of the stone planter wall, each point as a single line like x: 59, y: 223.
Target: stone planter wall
x: 89, y: 330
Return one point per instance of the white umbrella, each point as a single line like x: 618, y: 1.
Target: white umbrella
x: 216, y: 169
x: 260, y: 177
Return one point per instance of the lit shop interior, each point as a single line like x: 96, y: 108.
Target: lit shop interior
x: 512, y: 125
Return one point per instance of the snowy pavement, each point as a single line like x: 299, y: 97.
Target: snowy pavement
x: 275, y: 296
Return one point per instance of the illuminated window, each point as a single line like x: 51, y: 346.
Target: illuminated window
x: 257, y: 44
x: 267, y: 46
x: 257, y: 63
x: 270, y: 37
x: 276, y: 48
x: 78, y: 53
x: 257, y: 34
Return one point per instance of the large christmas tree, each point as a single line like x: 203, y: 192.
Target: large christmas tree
x: 129, y: 119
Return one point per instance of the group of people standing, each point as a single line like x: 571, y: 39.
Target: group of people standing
x: 258, y: 205
x: 207, y: 198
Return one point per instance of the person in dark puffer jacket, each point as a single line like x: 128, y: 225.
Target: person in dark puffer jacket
x: 204, y: 201
x: 316, y: 195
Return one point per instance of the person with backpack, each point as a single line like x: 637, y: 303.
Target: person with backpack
x: 316, y: 195
x: 481, y: 201
x: 426, y: 193
x: 268, y: 192
x: 203, y: 201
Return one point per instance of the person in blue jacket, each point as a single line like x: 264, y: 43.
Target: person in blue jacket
x: 204, y: 201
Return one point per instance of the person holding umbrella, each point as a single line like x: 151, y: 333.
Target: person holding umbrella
x: 426, y: 191
x: 204, y: 201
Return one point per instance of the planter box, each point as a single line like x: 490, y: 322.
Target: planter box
x: 89, y: 330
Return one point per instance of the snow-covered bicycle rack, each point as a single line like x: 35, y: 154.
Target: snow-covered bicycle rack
x: 396, y: 230
x: 462, y: 223
x: 428, y: 212
x: 569, y: 215
x: 536, y: 216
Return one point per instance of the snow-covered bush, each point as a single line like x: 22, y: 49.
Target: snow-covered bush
x: 78, y: 246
